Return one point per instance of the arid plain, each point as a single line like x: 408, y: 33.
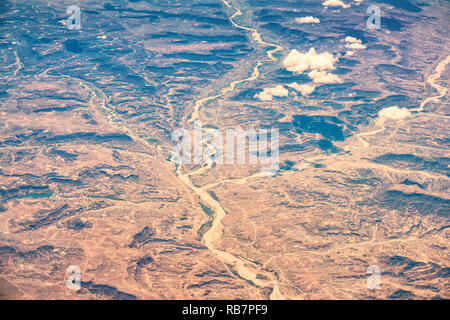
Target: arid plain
x: 87, y: 179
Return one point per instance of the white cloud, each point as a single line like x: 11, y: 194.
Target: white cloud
x: 394, y: 113
x: 316, y: 63
x: 355, y: 46
x: 349, y: 53
x: 350, y: 39
x: 268, y: 93
x: 304, y: 89
x: 323, y: 77
x: 335, y: 3
x: 353, y: 43
x: 307, y: 19
x: 299, y: 62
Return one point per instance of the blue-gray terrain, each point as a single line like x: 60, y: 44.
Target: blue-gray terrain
x: 88, y: 109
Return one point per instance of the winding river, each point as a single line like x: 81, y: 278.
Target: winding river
x: 431, y: 79
x: 246, y: 269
